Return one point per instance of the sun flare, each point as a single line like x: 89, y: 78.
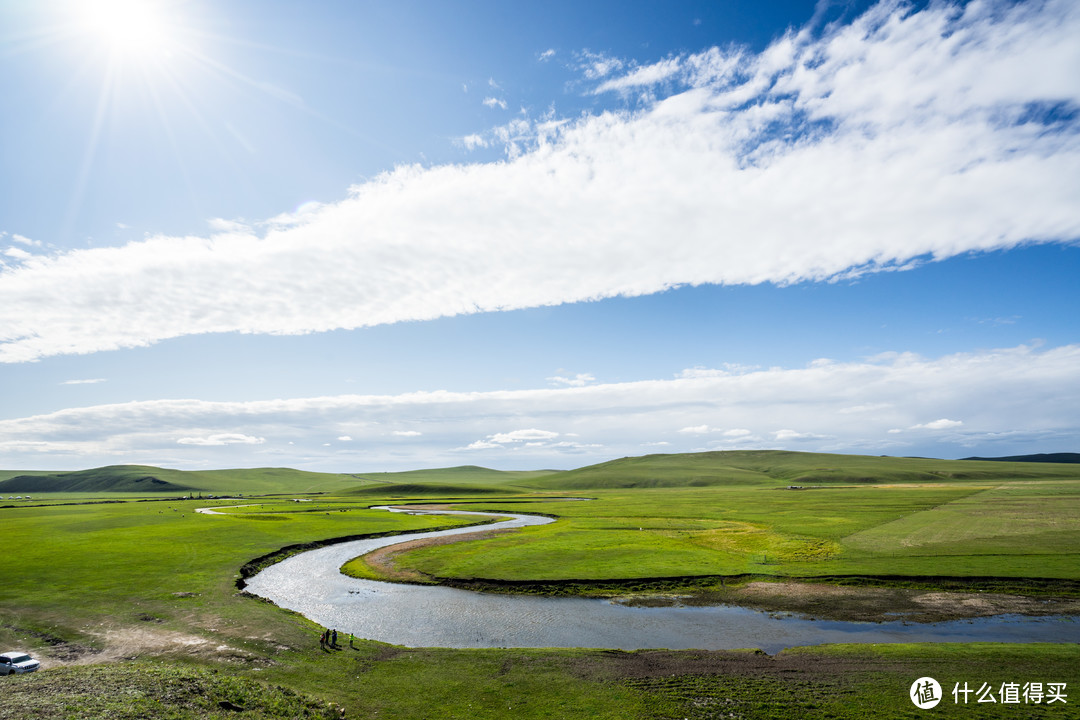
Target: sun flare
x: 132, y: 29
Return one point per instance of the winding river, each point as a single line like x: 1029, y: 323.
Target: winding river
x: 435, y: 616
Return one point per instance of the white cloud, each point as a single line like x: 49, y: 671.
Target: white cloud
x: 304, y: 213
x: 88, y: 381
x: 1011, y: 401
x: 942, y: 424
x: 495, y: 103
x: 788, y: 435
x: 222, y: 439
x: 344, y: 438
x: 228, y: 226
x: 724, y: 370
x: 531, y: 441
x: 864, y: 408
x: 902, y: 136
x: 546, y: 55
x: 407, y: 433
x: 595, y: 65
x: 644, y: 76
x: 17, y: 253
x: 522, y: 435
x: 473, y: 141
x: 579, y: 380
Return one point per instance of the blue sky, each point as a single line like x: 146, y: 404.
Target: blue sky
x: 364, y: 236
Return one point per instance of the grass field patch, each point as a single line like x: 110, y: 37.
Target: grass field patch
x: 1042, y: 517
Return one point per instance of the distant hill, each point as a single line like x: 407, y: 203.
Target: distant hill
x: 115, y: 478
x: 464, y: 480
x: 775, y: 467
x: 419, y: 488
x: 738, y: 467
x: 1039, y: 458
x: 462, y: 475
x: 147, y: 478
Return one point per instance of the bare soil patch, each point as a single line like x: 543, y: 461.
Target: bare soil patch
x: 132, y: 642
x: 619, y: 664
x: 879, y: 604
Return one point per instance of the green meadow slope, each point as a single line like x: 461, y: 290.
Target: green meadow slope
x: 138, y: 479
x: 464, y: 479
x: 773, y: 467
x: 115, y: 478
x: 784, y: 514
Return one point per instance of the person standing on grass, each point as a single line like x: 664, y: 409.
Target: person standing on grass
x: 334, y: 642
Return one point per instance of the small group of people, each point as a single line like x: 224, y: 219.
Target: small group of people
x: 329, y: 638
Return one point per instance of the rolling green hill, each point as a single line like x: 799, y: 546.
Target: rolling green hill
x: 115, y: 478
x: 775, y: 467
x: 464, y: 480
x: 472, y: 475
x: 686, y: 470
x: 404, y: 490
x: 146, y: 478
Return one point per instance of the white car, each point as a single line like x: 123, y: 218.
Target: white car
x: 17, y: 662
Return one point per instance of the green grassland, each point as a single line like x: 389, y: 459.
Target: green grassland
x: 671, y: 516
x: 134, y: 607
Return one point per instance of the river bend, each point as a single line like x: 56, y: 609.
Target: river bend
x: 434, y: 616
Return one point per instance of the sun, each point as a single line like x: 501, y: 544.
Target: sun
x: 127, y: 29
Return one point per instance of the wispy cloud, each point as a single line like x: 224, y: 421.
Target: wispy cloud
x: 942, y: 424
x: 493, y: 103
x: 645, y: 76
x: 473, y: 141
x: 17, y: 253
x: 579, y: 380
x: 1006, y: 399
x: 595, y: 65
x: 222, y: 439
x: 902, y: 136
x: 88, y: 381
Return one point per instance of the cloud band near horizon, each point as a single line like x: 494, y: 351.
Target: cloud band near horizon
x: 958, y: 403
x: 901, y: 137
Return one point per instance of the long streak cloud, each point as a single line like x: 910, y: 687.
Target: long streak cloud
x: 902, y: 136
x: 958, y: 404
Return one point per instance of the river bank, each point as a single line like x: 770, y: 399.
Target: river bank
x: 417, y: 615
x: 844, y: 598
